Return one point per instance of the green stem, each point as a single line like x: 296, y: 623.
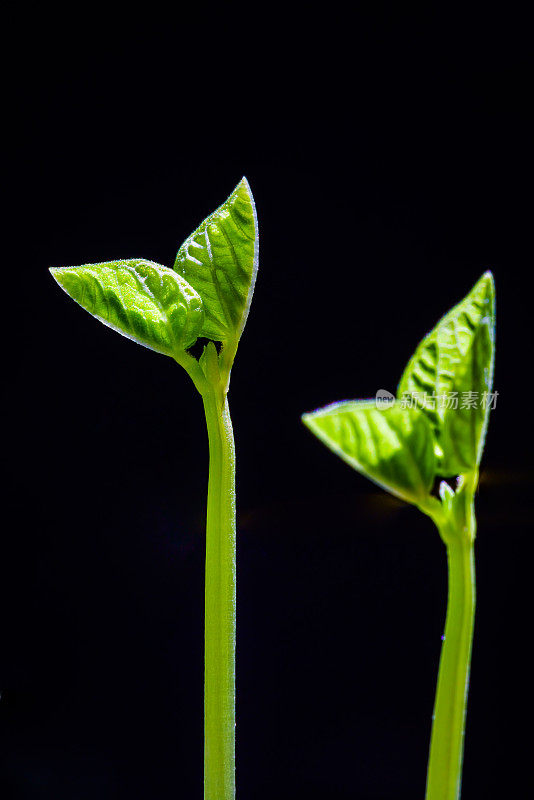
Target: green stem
x: 220, y: 603
x: 446, y: 745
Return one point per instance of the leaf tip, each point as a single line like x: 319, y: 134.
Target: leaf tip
x: 245, y: 185
x: 313, y: 420
x: 56, y: 273
x: 484, y: 289
x: 486, y: 284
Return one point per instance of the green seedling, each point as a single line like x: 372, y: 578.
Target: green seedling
x: 206, y: 295
x: 432, y: 435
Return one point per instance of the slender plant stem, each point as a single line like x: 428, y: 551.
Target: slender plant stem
x: 446, y: 745
x: 220, y: 604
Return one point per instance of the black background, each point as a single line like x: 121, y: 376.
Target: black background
x: 387, y: 152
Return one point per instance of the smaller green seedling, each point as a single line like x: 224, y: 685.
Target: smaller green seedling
x: 434, y: 433
x: 206, y: 296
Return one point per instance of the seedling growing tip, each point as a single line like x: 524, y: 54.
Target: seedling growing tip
x: 434, y: 432
x: 206, y: 295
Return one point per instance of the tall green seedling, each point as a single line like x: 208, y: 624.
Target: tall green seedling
x: 206, y: 296
x: 432, y: 435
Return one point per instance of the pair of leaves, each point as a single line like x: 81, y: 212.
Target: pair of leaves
x: 432, y: 430
x: 207, y: 294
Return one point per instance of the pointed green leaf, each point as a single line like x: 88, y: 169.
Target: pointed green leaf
x: 220, y: 261
x: 464, y: 427
x: 392, y: 446
x: 144, y: 301
x: 455, y: 358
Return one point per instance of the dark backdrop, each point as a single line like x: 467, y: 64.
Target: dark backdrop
x: 388, y: 156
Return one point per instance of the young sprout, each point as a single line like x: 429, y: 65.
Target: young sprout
x: 434, y: 431
x: 207, y: 294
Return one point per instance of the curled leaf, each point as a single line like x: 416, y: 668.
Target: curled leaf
x: 464, y: 427
x: 142, y: 300
x: 220, y: 261
x: 453, y: 363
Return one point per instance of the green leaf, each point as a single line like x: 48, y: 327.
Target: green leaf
x: 464, y: 428
x: 220, y: 261
x: 456, y: 357
x: 392, y: 446
x: 144, y: 301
